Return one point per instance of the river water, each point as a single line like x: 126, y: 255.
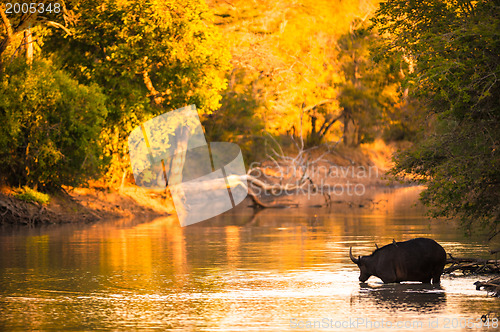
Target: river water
x: 277, y: 270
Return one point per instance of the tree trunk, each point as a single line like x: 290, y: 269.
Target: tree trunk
x: 177, y: 165
x: 8, y: 36
x: 356, y: 136
x: 346, y: 126
x: 179, y: 158
x: 28, y: 43
x: 312, y: 138
x: 313, y: 125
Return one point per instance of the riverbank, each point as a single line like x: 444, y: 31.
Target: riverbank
x: 345, y: 169
x: 83, y: 205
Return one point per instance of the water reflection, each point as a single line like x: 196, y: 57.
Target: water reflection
x: 239, y: 271
x: 424, y: 298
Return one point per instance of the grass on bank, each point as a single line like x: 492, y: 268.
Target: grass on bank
x: 30, y: 195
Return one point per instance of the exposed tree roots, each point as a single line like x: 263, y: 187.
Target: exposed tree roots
x: 15, y: 211
x: 477, y: 266
x: 492, y: 286
x: 472, y: 265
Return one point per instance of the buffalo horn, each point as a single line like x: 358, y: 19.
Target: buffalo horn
x: 354, y: 260
x: 376, y: 246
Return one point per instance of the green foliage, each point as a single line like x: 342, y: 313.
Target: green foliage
x: 30, y: 195
x: 163, y: 50
x: 369, y: 92
x: 50, y: 127
x: 452, y: 50
x: 148, y: 56
x: 237, y: 120
x: 404, y: 122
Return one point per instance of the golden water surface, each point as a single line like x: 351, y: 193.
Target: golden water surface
x: 274, y: 270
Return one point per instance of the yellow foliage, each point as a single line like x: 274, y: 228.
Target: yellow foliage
x: 287, y: 52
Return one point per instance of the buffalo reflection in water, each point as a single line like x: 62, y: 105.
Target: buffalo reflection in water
x: 408, y: 296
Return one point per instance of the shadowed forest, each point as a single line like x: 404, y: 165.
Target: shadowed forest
x: 76, y: 77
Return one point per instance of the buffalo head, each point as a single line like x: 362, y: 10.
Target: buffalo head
x: 364, y: 264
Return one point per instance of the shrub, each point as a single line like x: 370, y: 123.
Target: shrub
x: 50, y: 127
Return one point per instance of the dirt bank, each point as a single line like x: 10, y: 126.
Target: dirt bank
x: 83, y: 205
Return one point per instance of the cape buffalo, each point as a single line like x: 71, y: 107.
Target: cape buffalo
x: 413, y: 260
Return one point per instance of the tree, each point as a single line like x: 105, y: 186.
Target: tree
x: 16, y: 28
x: 50, y: 122
x: 453, y: 47
x: 369, y: 90
x: 50, y: 126
x: 148, y: 56
x: 285, y: 62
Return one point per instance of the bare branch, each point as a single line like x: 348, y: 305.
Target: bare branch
x: 279, y: 146
x: 6, y: 23
x: 324, y: 101
x: 58, y: 25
